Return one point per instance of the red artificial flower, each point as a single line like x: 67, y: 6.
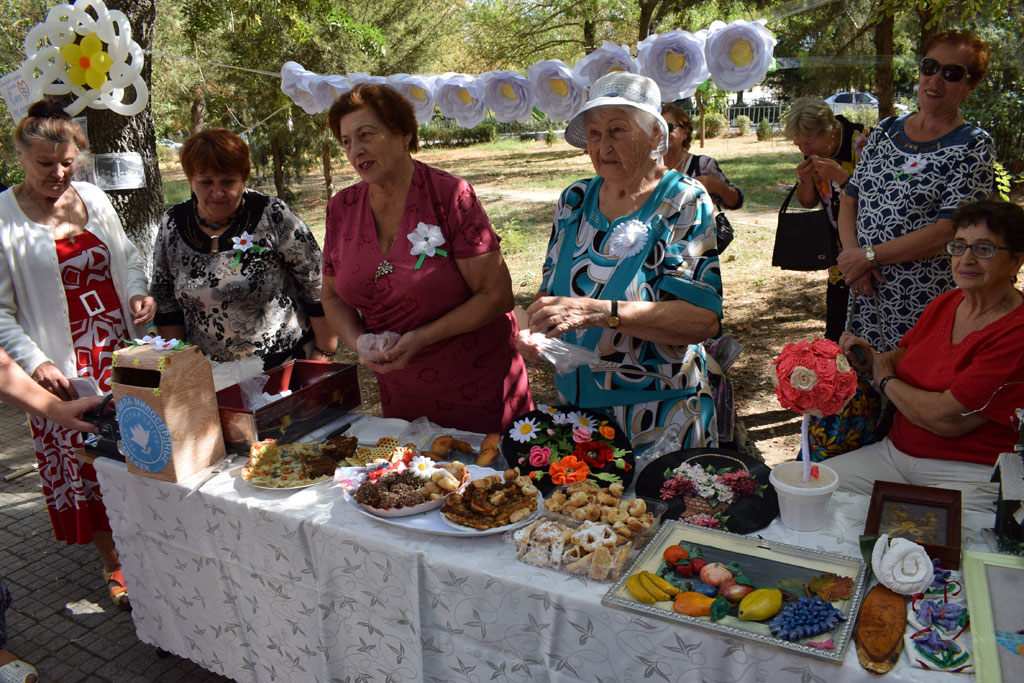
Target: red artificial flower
x: 595, y: 453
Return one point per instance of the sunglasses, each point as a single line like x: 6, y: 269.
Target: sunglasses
x: 671, y: 127
x: 954, y: 73
x: 979, y: 249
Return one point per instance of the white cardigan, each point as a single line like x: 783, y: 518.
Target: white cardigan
x: 34, y: 325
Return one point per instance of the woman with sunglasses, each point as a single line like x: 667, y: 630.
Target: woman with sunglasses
x: 956, y: 376
x: 914, y: 171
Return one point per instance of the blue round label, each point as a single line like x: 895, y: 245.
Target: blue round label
x: 145, y: 437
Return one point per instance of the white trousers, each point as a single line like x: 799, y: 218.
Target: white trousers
x: 858, y: 470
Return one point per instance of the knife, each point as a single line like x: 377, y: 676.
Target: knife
x: 339, y: 431
x: 221, y: 465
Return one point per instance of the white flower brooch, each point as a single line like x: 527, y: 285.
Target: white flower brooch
x: 425, y: 242
x: 628, y: 239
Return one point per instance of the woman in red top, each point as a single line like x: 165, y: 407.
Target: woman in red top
x: 409, y: 250
x: 958, y: 375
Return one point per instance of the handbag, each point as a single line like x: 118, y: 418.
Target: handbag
x: 805, y: 240
x: 724, y: 231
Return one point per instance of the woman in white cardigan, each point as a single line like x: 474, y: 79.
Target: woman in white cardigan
x: 71, y: 288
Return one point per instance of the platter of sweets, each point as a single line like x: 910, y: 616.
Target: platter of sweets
x: 794, y: 598
x: 634, y: 518
x: 289, y: 466
x: 411, y: 485
x: 493, y: 503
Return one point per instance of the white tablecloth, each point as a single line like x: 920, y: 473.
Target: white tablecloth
x: 298, y: 586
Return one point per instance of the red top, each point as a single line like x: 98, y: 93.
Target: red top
x: 985, y: 372
x: 474, y: 381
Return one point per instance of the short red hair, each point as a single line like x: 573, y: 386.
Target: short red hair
x: 390, y: 106
x: 980, y: 51
x: 215, y: 149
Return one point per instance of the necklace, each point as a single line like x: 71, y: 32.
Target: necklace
x: 219, y: 228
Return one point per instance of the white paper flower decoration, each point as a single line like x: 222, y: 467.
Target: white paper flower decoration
x: 556, y: 92
x: 628, y: 239
x: 419, y: 90
x: 297, y: 83
x: 164, y: 344
x: 738, y: 55
x: 363, y: 77
x: 425, y: 239
x: 460, y: 97
x: 106, y: 60
x: 675, y: 61
x: 508, y: 94
x: 327, y: 89
x: 604, y: 60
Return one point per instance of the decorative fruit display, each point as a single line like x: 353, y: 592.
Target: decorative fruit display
x: 805, y: 618
x: 764, y: 603
x: 693, y: 604
x: 649, y: 588
x: 734, y: 592
x: 715, y: 574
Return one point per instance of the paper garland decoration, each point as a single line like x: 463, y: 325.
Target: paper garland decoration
x: 92, y: 58
x: 737, y: 57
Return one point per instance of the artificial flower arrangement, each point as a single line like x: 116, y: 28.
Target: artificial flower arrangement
x: 559, y: 446
x: 708, y: 491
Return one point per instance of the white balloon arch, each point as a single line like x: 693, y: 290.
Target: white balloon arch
x: 737, y: 56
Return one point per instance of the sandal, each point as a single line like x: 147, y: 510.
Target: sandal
x: 118, y: 591
x: 17, y: 672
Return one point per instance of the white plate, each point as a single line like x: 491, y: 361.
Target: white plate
x: 433, y: 522
x: 367, y: 432
x: 403, y: 512
x: 286, y: 488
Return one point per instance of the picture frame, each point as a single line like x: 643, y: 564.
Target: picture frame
x: 995, y: 621
x: 927, y: 515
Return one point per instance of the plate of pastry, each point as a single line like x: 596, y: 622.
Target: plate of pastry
x: 410, y: 486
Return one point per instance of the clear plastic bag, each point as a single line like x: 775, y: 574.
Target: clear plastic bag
x: 372, y: 347
x: 564, y: 356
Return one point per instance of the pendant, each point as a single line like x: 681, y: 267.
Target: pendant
x: 71, y: 239
x: 385, y: 268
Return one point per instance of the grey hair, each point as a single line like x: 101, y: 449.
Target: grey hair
x: 644, y: 121
x: 809, y: 116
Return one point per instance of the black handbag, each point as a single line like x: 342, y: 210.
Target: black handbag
x: 805, y: 240
x: 724, y: 230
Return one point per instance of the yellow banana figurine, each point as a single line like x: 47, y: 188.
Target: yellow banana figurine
x: 663, y: 584
x: 637, y: 590
x: 652, y: 588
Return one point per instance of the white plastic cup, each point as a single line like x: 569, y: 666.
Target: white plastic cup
x: 802, y: 508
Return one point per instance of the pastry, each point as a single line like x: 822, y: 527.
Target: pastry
x: 879, y: 632
x: 492, y: 501
x: 339, y: 448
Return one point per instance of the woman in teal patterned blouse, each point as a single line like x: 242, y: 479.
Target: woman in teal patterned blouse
x: 632, y: 272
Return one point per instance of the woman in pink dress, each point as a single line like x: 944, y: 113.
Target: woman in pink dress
x: 410, y: 251
x: 71, y: 288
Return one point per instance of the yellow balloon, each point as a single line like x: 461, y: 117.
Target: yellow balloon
x: 95, y: 78
x: 418, y: 93
x: 675, y: 62
x: 102, y: 62
x: 465, y: 96
x: 508, y: 92
x: 558, y: 85
x: 741, y: 53
x: 71, y: 53
x: 76, y: 75
x: 91, y: 44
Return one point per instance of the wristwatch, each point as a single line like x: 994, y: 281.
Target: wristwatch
x: 885, y: 380
x: 613, y: 319
x: 870, y: 253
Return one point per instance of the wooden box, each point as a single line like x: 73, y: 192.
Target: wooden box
x: 166, y: 411
x: 321, y: 390
x: 927, y: 515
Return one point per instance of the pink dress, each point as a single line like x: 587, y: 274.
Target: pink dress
x: 474, y: 381
x: 97, y: 327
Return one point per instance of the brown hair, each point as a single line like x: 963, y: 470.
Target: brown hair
x: 980, y: 51
x: 684, y: 121
x: 1002, y: 218
x: 215, y: 149
x: 389, y: 105
x: 46, y: 121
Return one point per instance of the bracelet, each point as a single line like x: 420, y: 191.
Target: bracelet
x: 885, y: 380
x: 842, y: 185
x: 329, y: 354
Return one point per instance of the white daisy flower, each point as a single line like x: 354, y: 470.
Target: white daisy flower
x: 914, y: 164
x: 628, y: 238
x: 460, y: 97
x: 561, y: 418
x: 524, y: 430
x: 556, y: 91
x: 508, y: 94
x: 243, y: 242
x: 738, y: 55
x: 550, y: 410
x: 422, y: 467
x: 675, y: 61
x: 581, y: 420
x: 604, y: 60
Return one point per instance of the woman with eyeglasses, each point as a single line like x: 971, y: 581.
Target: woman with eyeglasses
x: 957, y: 376
x: 914, y: 171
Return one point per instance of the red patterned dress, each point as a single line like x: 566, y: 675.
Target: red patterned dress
x: 97, y: 327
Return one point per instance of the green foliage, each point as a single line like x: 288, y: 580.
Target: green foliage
x: 743, y: 123
x: 714, y: 124
x: 865, y: 115
x: 765, y: 130
x: 550, y: 138
x: 442, y: 133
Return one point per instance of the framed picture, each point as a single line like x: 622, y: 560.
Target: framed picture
x: 926, y: 515
x: 994, y: 584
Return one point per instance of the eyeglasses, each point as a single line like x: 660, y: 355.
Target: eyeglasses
x: 671, y: 127
x: 979, y: 249
x: 954, y: 73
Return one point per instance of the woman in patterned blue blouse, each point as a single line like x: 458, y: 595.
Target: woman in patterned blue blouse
x: 914, y: 172
x: 632, y: 272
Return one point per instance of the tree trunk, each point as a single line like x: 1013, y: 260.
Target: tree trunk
x: 139, y: 210
x: 275, y: 153
x: 198, y: 110
x: 925, y: 16
x: 883, y: 75
x: 325, y: 150
x: 646, y: 17
x: 699, y: 98
x: 589, y: 35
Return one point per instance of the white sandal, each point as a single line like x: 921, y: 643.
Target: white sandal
x: 17, y: 672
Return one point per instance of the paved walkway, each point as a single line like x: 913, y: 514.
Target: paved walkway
x: 97, y: 644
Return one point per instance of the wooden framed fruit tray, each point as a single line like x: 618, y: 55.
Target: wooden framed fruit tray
x: 767, y: 565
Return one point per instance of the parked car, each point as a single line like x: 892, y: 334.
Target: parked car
x: 167, y: 142
x: 857, y: 101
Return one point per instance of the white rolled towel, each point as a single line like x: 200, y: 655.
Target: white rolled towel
x: 902, y: 566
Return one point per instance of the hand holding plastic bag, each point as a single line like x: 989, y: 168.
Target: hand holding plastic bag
x: 565, y: 357
x: 372, y: 347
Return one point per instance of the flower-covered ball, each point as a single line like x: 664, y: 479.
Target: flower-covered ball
x: 813, y: 376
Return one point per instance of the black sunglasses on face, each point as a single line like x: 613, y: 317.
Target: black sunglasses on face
x: 671, y: 127
x: 954, y: 73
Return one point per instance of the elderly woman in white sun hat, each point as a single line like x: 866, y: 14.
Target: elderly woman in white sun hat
x: 632, y: 272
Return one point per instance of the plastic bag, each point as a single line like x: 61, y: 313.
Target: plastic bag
x: 667, y: 442
x: 372, y: 347
x: 233, y: 372
x: 565, y: 357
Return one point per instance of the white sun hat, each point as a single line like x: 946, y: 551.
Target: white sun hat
x: 620, y: 89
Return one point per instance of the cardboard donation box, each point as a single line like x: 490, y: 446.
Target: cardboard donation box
x: 320, y: 392
x: 166, y: 411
